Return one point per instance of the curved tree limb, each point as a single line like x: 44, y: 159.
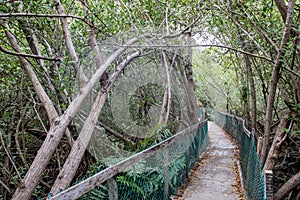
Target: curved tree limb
x: 287, y: 187
x: 35, y: 49
x: 44, y: 98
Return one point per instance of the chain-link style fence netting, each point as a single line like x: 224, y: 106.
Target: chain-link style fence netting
x: 163, y: 168
x: 250, y: 163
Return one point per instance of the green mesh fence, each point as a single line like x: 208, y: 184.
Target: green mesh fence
x: 159, y: 176
x: 156, y: 176
x: 250, y: 163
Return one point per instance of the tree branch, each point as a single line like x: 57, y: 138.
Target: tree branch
x: 287, y: 187
x: 282, y: 8
x: 70, y: 46
x: 182, y: 31
x: 203, y: 45
x: 9, y: 15
x: 27, y: 55
x: 5, y: 186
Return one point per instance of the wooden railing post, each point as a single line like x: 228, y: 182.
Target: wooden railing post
x: 112, y: 189
x: 166, y: 174
x: 259, y: 146
x: 269, y: 184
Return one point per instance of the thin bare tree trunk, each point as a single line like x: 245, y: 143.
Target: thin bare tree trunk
x: 93, y: 39
x: 162, y: 116
x: 186, y: 88
x: 253, y: 98
x: 168, y: 79
x: 191, y: 84
x: 56, y: 131
x: 72, y: 163
x: 252, y: 88
x: 245, y: 99
x: 278, y: 139
x: 69, y: 44
x: 262, y: 81
x: 275, y: 79
x: 18, y: 146
x: 167, y: 99
x: 70, y: 167
x: 282, y: 8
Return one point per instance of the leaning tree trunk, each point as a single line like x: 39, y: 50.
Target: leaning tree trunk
x: 275, y: 79
x: 56, y: 131
x: 34, y: 46
x: 191, y: 83
x: 278, y: 139
x: 44, y: 98
x: 163, y: 111
x: 249, y: 77
x: 80, y: 145
x: 253, y: 97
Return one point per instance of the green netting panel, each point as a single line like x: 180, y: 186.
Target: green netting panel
x: 158, y: 176
x: 250, y: 163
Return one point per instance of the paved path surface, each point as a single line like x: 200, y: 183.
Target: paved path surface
x: 215, y: 177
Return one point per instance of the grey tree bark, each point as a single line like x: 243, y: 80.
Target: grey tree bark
x: 275, y: 79
x: 278, y: 139
x: 80, y: 145
x: 56, y: 131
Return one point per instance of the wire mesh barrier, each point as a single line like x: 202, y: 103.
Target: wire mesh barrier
x: 153, y: 174
x: 253, y: 179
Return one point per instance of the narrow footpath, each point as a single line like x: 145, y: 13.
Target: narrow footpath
x: 217, y: 177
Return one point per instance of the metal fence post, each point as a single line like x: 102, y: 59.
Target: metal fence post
x: 269, y: 184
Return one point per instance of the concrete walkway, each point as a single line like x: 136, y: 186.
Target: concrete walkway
x: 215, y: 178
